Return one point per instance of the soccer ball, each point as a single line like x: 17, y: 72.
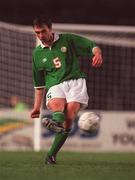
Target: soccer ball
x: 89, y: 122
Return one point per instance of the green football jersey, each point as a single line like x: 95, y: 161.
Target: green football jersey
x: 60, y: 63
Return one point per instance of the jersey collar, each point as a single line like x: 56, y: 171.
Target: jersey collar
x: 56, y: 37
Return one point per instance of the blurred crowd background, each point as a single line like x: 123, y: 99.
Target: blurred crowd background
x: 109, y: 12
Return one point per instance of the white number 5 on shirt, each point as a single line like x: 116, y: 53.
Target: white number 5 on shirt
x: 57, y: 62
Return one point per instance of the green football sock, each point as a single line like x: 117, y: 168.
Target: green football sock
x: 58, y: 116
x: 59, y: 140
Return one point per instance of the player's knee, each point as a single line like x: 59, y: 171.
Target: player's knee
x: 56, y: 105
x: 72, y: 111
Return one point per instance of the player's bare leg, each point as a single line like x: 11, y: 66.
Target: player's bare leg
x: 72, y: 110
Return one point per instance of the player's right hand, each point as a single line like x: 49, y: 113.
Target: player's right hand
x: 35, y: 113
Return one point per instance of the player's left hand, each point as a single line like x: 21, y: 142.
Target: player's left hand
x: 97, y: 60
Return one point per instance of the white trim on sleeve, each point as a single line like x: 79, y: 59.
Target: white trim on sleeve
x: 38, y: 87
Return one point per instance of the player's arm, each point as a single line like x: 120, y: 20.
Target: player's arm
x: 39, y: 84
x: 86, y: 47
x: 39, y: 94
x: 97, y: 59
x: 81, y: 45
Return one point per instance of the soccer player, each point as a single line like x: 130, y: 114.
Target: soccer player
x: 56, y: 72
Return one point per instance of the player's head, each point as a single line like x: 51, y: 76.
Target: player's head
x: 42, y: 20
x: 43, y: 28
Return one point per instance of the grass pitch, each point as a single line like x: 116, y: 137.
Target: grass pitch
x: 70, y: 166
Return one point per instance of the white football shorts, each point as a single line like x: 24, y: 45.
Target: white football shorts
x: 72, y: 90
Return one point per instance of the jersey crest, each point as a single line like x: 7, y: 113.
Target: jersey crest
x: 63, y: 49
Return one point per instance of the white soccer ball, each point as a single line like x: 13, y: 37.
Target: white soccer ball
x: 89, y: 122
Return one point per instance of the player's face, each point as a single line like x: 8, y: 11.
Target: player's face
x: 44, y: 33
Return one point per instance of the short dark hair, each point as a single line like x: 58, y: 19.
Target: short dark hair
x: 42, y: 20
